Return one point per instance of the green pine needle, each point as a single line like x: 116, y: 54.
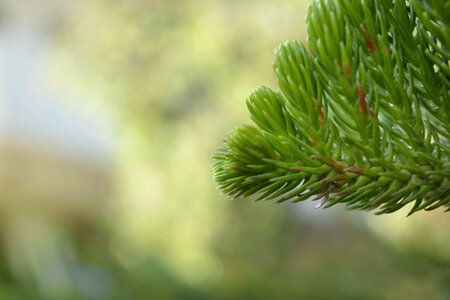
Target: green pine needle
x: 362, y: 114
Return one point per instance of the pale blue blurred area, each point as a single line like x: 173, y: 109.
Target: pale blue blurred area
x: 56, y: 162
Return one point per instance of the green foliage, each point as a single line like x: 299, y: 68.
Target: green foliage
x: 361, y: 117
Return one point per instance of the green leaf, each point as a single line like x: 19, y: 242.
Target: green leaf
x: 362, y: 117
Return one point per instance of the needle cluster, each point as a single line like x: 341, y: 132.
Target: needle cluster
x: 361, y: 116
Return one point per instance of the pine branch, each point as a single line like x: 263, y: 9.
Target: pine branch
x: 361, y: 117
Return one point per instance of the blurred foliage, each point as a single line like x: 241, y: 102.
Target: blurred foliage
x: 171, y: 77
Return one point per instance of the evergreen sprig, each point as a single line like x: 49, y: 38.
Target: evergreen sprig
x: 362, y: 114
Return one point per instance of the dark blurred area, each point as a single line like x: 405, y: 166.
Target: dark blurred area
x: 109, y: 112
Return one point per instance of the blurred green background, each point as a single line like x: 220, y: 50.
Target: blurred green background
x: 168, y: 79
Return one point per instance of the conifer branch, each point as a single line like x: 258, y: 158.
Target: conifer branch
x: 362, y: 114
